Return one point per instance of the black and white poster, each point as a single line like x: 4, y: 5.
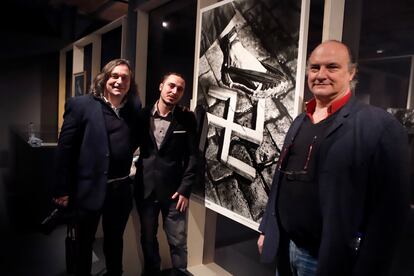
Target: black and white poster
x: 247, y: 86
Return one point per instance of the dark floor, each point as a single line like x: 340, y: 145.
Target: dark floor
x: 31, y: 253
x: 36, y: 254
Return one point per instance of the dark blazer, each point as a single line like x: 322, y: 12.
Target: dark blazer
x: 83, y: 152
x: 173, y: 167
x: 363, y: 168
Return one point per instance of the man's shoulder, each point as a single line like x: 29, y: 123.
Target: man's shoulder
x: 375, y: 119
x: 144, y: 115
x: 300, y: 116
x: 183, y: 111
x: 298, y: 119
x: 185, y: 115
x: 145, y: 111
x: 374, y: 112
x: 81, y: 108
x: 82, y: 100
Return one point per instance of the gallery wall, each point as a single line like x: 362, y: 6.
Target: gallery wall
x: 29, y: 76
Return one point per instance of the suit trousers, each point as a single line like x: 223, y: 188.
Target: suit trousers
x: 115, y: 213
x: 175, y: 227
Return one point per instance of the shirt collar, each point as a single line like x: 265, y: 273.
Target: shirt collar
x: 115, y: 109
x: 335, y: 105
x: 156, y: 112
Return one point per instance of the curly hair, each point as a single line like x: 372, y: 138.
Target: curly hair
x: 99, y: 83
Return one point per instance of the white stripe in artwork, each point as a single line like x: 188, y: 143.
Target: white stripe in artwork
x: 252, y: 135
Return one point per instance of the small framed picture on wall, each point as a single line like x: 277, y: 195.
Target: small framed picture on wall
x: 79, y: 84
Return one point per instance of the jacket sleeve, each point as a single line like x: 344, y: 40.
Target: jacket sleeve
x: 192, y: 162
x: 67, y: 151
x: 270, y: 207
x: 389, y: 197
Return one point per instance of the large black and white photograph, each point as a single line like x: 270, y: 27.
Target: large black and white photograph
x: 246, y: 85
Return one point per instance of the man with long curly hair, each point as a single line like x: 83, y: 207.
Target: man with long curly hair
x: 94, y: 156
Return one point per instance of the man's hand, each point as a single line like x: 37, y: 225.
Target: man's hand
x: 61, y: 201
x: 260, y: 243
x: 182, y: 203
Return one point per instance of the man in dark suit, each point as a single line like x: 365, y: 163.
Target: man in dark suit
x: 339, y: 195
x: 94, y: 156
x: 166, y: 171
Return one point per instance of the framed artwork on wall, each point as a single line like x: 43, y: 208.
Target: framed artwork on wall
x: 79, y: 84
x: 247, y: 87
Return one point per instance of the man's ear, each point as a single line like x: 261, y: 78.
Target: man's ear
x: 352, y: 72
x: 161, y: 85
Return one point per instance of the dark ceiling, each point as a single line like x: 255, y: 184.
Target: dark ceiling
x: 43, y: 26
x: 387, y: 28
x: 38, y: 26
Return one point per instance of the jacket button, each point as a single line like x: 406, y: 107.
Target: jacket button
x: 105, y: 172
x: 107, y: 154
x: 274, y: 214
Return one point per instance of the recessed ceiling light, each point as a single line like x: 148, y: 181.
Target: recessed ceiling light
x: 380, y: 51
x: 165, y: 24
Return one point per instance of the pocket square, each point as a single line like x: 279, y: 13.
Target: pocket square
x: 179, y: 131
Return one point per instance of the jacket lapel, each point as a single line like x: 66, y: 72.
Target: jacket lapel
x: 170, y: 131
x: 147, y: 126
x: 99, y: 117
x: 295, y: 128
x: 290, y: 136
x: 342, y: 115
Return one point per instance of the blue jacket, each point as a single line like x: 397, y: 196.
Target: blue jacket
x: 363, y: 172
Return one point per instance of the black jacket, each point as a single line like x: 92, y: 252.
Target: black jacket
x: 173, y: 167
x: 363, y: 182
x: 83, y: 152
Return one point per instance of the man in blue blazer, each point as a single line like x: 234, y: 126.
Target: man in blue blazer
x: 166, y: 171
x: 340, y: 193
x: 94, y: 157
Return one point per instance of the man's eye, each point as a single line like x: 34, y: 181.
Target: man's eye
x: 123, y: 77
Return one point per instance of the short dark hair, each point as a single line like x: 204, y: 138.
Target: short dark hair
x: 165, y: 76
x: 98, y: 84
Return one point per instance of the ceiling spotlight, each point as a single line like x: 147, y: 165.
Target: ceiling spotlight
x: 380, y: 51
x: 165, y: 24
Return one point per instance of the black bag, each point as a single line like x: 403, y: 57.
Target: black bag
x: 71, y: 248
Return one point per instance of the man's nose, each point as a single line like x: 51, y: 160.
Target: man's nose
x: 321, y: 72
